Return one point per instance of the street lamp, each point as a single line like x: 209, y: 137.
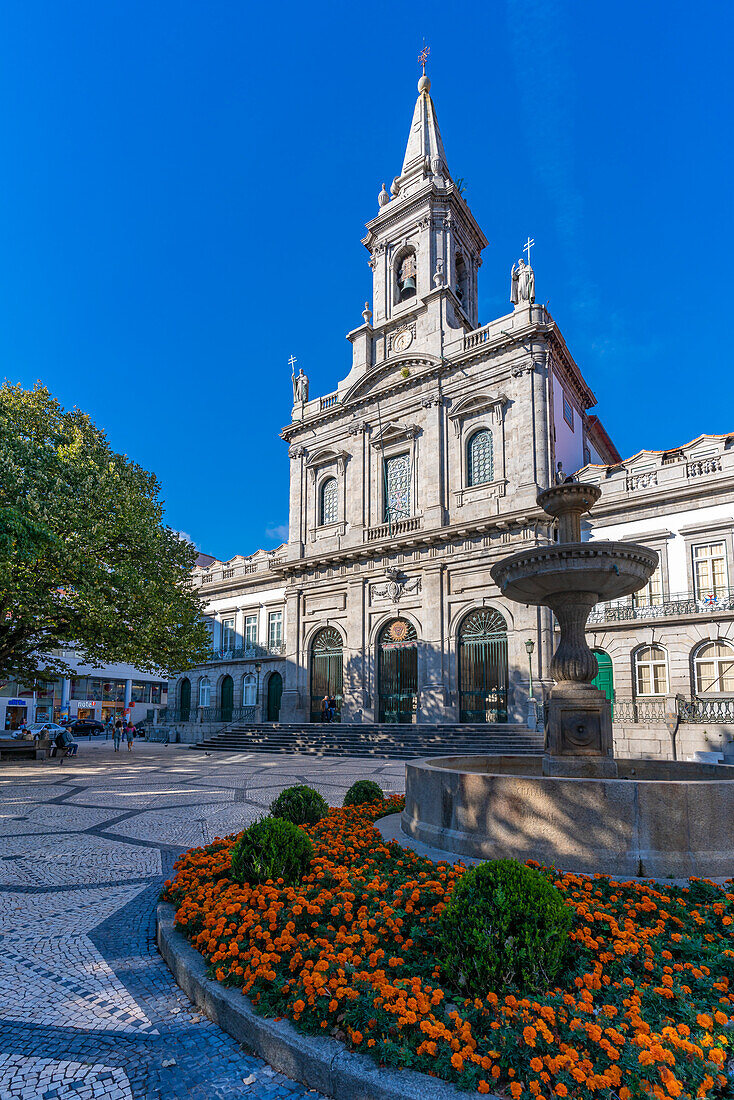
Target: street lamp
x: 529, y: 647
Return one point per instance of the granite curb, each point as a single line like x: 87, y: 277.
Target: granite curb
x: 322, y: 1064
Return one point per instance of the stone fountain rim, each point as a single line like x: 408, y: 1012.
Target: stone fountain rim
x: 597, y: 549
x: 433, y: 763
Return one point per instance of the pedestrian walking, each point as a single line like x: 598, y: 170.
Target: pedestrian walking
x: 117, y: 734
x: 332, y: 708
x: 129, y: 735
x: 325, y: 709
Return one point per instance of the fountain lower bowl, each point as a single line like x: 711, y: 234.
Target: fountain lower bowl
x: 609, y: 570
x: 657, y: 819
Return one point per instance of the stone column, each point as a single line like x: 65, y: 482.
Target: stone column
x: 433, y: 662
x: 432, y: 463
x: 293, y: 706
x: 65, y: 695
x: 353, y: 693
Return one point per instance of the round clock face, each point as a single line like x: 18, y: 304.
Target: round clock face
x: 402, y: 340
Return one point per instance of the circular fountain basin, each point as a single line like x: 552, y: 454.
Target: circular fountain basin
x: 657, y: 819
x: 610, y: 570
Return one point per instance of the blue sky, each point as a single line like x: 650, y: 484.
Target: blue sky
x: 186, y: 185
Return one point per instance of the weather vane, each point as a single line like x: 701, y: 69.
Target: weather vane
x: 423, y: 56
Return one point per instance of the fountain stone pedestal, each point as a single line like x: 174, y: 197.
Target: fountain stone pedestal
x: 570, y: 577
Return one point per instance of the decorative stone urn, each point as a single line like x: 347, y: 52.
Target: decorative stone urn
x: 570, y: 577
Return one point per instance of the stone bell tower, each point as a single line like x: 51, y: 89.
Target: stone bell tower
x: 425, y: 252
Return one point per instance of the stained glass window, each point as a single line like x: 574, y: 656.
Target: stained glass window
x: 480, y: 458
x: 328, y: 502
x: 397, y: 487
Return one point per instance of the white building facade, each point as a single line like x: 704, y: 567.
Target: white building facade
x: 407, y: 482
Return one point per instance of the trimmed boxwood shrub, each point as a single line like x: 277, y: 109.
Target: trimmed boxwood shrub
x: 504, y: 925
x: 364, y: 790
x: 301, y: 805
x: 272, y: 849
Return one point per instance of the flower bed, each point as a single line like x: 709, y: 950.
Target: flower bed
x: 643, y: 1007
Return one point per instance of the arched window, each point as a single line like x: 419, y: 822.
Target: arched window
x: 249, y: 691
x: 406, y: 273
x: 651, y: 670
x: 328, y: 506
x: 714, y: 664
x: 462, y: 281
x: 479, y: 457
x: 205, y: 692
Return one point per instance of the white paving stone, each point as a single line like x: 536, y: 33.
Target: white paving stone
x: 24, y: 1078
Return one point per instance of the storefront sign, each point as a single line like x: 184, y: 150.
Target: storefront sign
x: 16, y: 703
x: 86, y: 703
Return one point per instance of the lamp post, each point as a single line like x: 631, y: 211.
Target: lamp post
x: 258, y: 669
x: 532, y: 712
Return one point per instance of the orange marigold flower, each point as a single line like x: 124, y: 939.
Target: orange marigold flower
x: 529, y: 1034
x: 516, y: 1090
x: 457, y: 1062
x: 560, y: 1089
x: 483, y: 1086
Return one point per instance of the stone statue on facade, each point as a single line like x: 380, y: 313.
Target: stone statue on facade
x: 300, y: 387
x: 522, y: 283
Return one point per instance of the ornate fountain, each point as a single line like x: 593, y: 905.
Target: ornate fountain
x: 576, y: 806
x: 570, y: 577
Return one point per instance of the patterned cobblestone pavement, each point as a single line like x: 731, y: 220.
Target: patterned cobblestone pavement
x: 88, y: 1010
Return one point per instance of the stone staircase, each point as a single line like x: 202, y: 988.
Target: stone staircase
x: 401, y: 742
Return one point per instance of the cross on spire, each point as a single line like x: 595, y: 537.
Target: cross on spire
x: 527, y: 246
x: 292, y: 363
x: 423, y: 56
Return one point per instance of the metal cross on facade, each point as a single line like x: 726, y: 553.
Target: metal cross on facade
x: 292, y: 363
x: 527, y: 246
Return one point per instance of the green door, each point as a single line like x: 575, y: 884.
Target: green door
x: 185, y: 699
x: 327, y: 669
x: 604, y: 679
x: 227, y: 698
x: 397, y: 671
x: 275, y: 691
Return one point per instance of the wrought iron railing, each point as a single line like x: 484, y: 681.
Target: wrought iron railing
x: 244, y: 653
x: 706, y: 710
x: 227, y: 714
x: 657, y: 607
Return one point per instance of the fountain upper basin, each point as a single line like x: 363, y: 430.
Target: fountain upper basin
x: 609, y: 570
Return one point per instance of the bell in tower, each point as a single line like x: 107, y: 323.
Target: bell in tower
x: 406, y: 277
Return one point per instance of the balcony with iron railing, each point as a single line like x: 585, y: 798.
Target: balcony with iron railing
x: 251, y: 652
x: 674, y: 605
x: 660, y: 708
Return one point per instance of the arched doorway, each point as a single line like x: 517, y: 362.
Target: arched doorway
x: 397, y: 672
x: 185, y: 699
x: 604, y: 679
x: 327, y: 666
x: 483, y: 667
x: 275, y: 691
x: 227, y: 699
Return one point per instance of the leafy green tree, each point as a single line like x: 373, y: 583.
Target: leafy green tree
x: 85, y: 558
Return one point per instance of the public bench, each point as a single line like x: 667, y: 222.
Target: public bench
x: 15, y: 748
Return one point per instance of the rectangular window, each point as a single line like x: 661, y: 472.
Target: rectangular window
x: 228, y: 634
x: 250, y: 630
x: 397, y: 488
x: 80, y: 688
x: 275, y: 629
x: 141, y: 692
x: 652, y: 594
x: 568, y: 412
x: 157, y: 693
x: 709, y: 569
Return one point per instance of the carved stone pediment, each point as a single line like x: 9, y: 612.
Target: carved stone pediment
x: 389, y: 373
x: 476, y: 404
x: 394, y: 432
x: 326, y: 457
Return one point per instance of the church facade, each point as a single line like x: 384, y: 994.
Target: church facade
x: 407, y: 482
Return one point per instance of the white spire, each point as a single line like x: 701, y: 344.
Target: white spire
x: 424, y: 153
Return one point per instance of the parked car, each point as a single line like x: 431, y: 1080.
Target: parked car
x: 43, y: 730
x: 86, y: 725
